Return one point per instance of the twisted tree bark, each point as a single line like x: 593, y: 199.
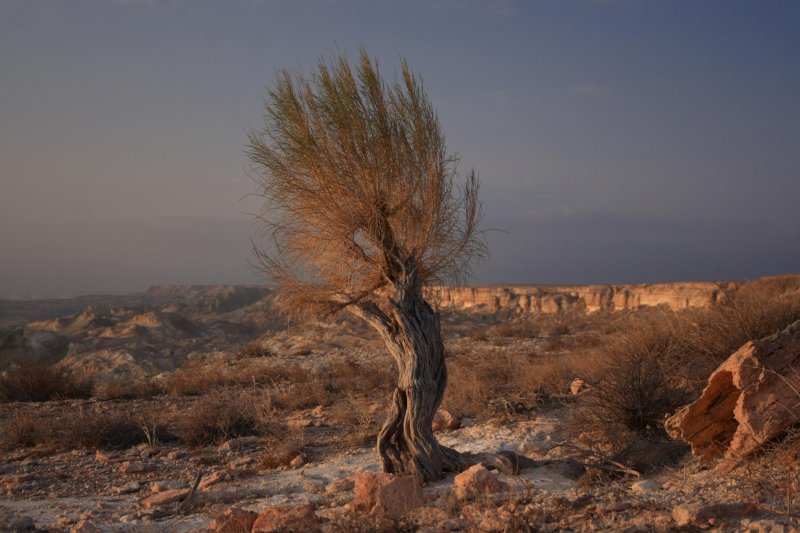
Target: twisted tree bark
x: 406, y: 443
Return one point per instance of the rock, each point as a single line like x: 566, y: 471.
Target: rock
x: 340, y: 485
x: 299, y: 423
x: 163, y: 498
x: 14, y: 523
x: 131, y: 467
x: 762, y: 526
x: 104, y: 456
x: 241, y: 462
x: 231, y: 445
x: 644, y: 486
x: 174, y: 455
x: 298, y: 460
x: 85, y: 526
x: 750, y: 399
x: 215, y: 477
x: 294, y: 517
x: 129, y: 488
x: 62, y: 522
x: 577, y: 386
x: 444, y: 420
x: 13, y: 481
x: 234, y: 445
x: 234, y: 520
x: 161, y: 486
x: 474, y: 481
x: 703, y: 515
x: 384, y: 493
x: 467, y: 422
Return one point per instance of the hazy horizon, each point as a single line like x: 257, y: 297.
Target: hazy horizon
x: 618, y: 141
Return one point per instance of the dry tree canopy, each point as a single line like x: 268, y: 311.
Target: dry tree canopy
x: 358, y: 188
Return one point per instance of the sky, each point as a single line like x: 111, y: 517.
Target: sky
x: 617, y: 141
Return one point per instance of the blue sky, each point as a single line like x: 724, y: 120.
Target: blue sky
x: 616, y: 140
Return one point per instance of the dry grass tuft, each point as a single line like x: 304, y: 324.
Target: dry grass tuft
x: 38, y: 382
x: 224, y: 414
x: 82, y: 428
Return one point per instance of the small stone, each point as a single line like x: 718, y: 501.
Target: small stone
x: 386, y: 494
x: 340, y: 485
x: 62, y: 522
x: 231, y: 445
x: 475, y: 481
x: 577, y: 386
x: 129, y: 488
x: 645, y: 486
x: 161, y: 486
x: 702, y: 515
x: 299, y: 423
x: 241, y: 462
x: 234, y: 520
x: 443, y: 420
x: 294, y: 517
x: 131, y: 467
x: 104, y: 456
x: 214, y: 478
x: 85, y: 526
x: 163, y: 498
x: 298, y: 460
x: 177, y: 454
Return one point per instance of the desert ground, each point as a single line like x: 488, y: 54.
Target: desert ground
x: 205, y: 409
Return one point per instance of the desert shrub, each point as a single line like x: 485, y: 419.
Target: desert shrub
x: 281, y: 448
x: 634, y: 385
x: 120, y: 389
x: 522, y: 329
x: 253, y: 349
x: 754, y: 311
x: 224, y: 414
x: 81, y: 428
x: 20, y: 429
x: 100, y: 429
x: 38, y: 382
x: 361, y: 422
x: 194, y: 378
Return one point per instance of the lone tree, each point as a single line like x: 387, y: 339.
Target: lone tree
x: 365, y: 208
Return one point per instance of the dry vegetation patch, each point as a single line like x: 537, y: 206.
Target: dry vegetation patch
x: 32, y: 381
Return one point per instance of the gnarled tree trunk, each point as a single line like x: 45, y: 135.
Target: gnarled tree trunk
x: 406, y: 443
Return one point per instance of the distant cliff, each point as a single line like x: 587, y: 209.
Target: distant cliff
x: 552, y: 299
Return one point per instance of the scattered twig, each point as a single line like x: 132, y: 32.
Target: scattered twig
x: 186, y: 500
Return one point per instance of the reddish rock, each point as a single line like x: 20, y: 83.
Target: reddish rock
x: 750, y: 399
x: 475, y: 481
x: 298, y: 460
x: 131, y: 467
x: 85, y: 526
x: 577, y: 386
x: 234, y: 520
x: 386, y: 494
x: 295, y: 517
x: 712, y: 514
x: 163, y: 498
x: 444, y: 420
x: 215, y: 477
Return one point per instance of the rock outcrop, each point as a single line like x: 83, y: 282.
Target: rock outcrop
x: 751, y: 399
x: 552, y: 299
x: 476, y: 481
x: 385, y: 493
